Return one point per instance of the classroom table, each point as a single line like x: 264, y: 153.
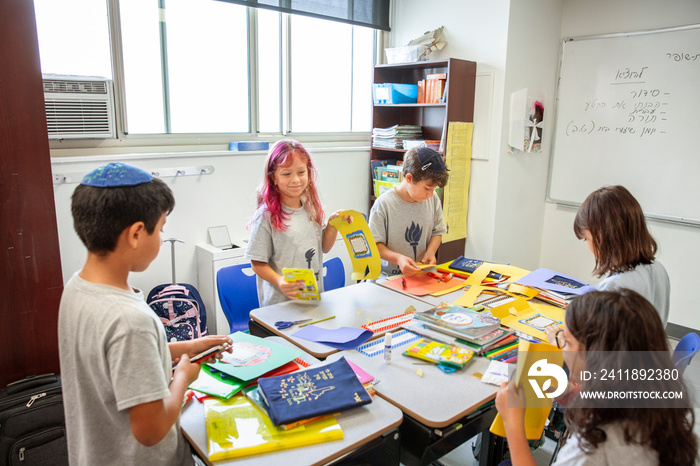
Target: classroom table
x: 370, y: 436
x: 352, y: 306
x: 441, y: 411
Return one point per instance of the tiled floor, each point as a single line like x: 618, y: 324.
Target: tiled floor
x: 463, y: 456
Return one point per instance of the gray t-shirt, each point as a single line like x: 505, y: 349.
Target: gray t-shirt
x: 114, y: 355
x: 405, y: 227
x: 299, y: 246
x: 649, y: 280
x: 614, y: 451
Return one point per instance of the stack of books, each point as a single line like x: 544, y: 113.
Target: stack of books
x: 386, y: 174
x: 458, y: 326
x: 554, y: 287
x: 394, y: 136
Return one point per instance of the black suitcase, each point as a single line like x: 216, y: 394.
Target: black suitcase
x: 32, y: 422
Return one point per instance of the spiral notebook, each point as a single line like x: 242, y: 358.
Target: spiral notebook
x: 376, y: 347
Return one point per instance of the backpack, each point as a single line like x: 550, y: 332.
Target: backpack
x: 181, y: 310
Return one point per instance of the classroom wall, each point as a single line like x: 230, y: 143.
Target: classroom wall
x: 475, y: 30
x: 227, y: 197
x: 679, y: 246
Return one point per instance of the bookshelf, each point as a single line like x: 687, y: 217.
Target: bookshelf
x: 432, y: 117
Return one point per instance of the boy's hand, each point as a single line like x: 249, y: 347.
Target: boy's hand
x: 189, y: 370
x: 202, y: 344
x: 408, y: 266
x: 429, y: 258
x: 290, y: 290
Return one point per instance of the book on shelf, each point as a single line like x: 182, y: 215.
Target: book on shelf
x: 439, y: 353
x: 318, y: 390
x: 226, y: 437
x: 377, y: 164
x: 465, y: 321
x: 305, y: 278
x: 421, y: 92
x: 391, y: 173
x: 380, y: 187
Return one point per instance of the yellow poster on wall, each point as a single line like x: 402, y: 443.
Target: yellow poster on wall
x: 456, y: 197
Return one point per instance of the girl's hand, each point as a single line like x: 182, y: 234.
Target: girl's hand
x: 336, y: 214
x: 290, y: 290
x: 408, y: 266
x: 510, y: 403
x: 551, y: 332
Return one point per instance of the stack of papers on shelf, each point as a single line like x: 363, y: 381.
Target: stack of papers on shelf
x: 393, y: 137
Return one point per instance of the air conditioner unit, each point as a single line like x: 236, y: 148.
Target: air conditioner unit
x: 79, y: 107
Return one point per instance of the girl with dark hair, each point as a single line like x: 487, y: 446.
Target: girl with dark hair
x: 612, y: 223
x: 598, y: 324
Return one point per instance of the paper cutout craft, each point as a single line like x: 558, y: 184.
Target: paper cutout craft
x: 422, y: 284
x: 514, y: 321
x: 364, y: 255
x: 341, y: 338
x: 540, y: 322
x: 305, y: 277
x: 538, y: 364
x: 475, y: 281
x: 253, y: 356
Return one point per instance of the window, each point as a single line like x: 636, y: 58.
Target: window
x: 204, y: 66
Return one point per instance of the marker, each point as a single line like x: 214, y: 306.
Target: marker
x: 317, y: 321
x: 403, y: 283
x: 387, y: 348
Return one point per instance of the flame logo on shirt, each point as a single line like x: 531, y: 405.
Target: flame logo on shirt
x: 413, y: 235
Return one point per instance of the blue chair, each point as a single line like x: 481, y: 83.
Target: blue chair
x: 333, y: 274
x: 238, y: 294
x: 685, y: 350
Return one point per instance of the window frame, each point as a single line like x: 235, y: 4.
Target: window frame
x: 207, y: 141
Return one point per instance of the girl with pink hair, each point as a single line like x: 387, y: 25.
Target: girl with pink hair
x: 288, y: 229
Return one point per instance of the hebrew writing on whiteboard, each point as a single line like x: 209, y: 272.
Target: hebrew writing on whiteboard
x: 626, y: 113
x: 526, y: 120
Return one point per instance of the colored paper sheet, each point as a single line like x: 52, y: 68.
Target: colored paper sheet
x: 364, y: 255
x: 253, y: 356
x: 236, y: 428
x: 422, y: 284
x: 547, y: 361
x: 458, y: 159
x: 555, y: 281
x: 531, y: 319
x: 340, y: 338
x: 475, y: 279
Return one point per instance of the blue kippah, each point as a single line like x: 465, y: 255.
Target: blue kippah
x: 116, y: 174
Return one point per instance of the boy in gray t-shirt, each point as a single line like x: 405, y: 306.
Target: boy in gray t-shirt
x: 406, y: 222
x: 121, y: 395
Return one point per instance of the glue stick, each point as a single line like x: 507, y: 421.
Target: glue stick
x: 387, y: 348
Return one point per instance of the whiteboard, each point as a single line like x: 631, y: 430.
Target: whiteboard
x: 628, y: 112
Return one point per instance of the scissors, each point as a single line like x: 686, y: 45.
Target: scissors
x: 282, y: 324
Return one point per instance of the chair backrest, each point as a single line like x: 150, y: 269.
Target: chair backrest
x: 333, y: 274
x: 685, y: 350
x: 238, y: 294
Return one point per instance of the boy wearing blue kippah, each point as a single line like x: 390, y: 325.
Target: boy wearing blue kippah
x: 407, y: 222
x: 122, y: 398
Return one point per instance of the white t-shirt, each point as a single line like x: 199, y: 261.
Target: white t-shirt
x: 613, y: 452
x: 405, y: 227
x: 649, y: 280
x: 114, y: 355
x: 299, y: 246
